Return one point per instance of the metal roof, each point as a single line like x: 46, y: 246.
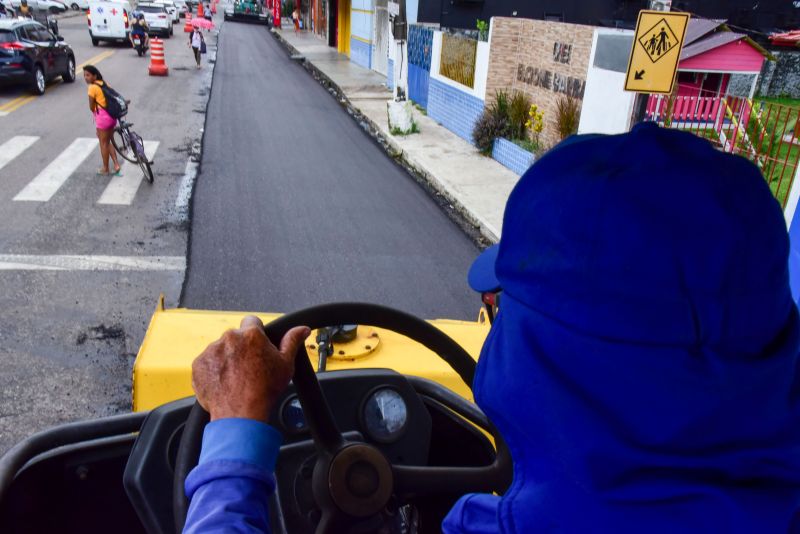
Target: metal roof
x: 709, y: 43
x: 791, y: 38
x: 698, y: 27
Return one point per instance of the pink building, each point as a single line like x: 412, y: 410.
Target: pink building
x: 712, y: 54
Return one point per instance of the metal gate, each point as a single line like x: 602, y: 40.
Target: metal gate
x: 767, y: 133
x: 380, y: 52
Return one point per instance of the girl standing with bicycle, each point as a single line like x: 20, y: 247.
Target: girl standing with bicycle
x: 104, y: 122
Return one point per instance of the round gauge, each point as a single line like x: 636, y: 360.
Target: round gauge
x: 292, y: 415
x: 385, y: 415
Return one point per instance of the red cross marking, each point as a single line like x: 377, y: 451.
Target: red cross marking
x: 114, y: 11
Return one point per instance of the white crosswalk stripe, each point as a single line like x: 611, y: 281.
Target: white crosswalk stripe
x: 14, y: 147
x: 122, y: 189
x: 44, y: 186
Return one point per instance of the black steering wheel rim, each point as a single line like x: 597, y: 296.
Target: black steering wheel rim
x: 321, y: 316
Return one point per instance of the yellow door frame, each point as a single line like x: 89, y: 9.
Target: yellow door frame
x: 344, y: 27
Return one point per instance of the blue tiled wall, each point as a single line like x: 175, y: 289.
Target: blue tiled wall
x: 390, y: 74
x: 360, y: 53
x: 511, y: 155
x: 454, y: 109
x: 418, y: 84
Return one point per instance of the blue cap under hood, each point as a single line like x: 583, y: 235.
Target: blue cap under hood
x: 643, y: 367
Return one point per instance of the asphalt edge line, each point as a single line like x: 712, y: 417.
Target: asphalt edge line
x: 458, y: 213
x: 194, y: 168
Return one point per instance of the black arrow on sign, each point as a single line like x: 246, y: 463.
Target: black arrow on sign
x: 638, y: 75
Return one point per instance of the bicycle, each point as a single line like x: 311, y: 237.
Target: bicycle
x: 130, y: 146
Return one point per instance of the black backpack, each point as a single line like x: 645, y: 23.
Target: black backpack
x: 116, y: 106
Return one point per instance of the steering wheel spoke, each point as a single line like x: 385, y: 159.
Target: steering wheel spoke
x: 320, y: 421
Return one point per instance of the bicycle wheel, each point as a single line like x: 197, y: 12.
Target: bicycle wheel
x: 122, y: 145
x: 146, y: 170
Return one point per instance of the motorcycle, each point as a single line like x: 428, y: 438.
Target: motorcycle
x: 139, y: 44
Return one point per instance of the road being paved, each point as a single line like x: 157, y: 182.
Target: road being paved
x: 83, y: 257
x: 295, y: 205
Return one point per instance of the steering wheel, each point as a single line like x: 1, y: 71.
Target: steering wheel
x: 351, y: 480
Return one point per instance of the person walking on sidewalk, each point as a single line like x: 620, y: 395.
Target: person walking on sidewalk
x: 197, y: 42
x: 296, y: 19
x: 104, y: 123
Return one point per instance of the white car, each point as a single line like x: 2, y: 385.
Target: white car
x: 182, y: 7
x: 51, y: 6
x: 172, y: 9
x: 157, y: 18
x: 78, y: 5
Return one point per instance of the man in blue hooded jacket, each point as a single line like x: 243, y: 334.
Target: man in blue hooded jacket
x: 643, y: 368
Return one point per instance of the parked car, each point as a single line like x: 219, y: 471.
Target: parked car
x: 78, y: 5
x: 49, y: 6
x: 182, y: 7
x: 157, y: 18
x: 109, y: 21
x: 172, y: 9
x: 31, y: 55
x: 9, y: 11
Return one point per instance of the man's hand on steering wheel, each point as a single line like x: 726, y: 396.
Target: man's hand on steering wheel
x: 242, y: 374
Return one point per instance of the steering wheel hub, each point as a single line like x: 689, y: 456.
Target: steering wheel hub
x: 360, y: 480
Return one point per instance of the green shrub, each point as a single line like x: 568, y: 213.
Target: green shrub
x: 568, y: 113
x: 501, y: 103
x: 483, y: 30
x: 492, y: 124
x: 518, y: 107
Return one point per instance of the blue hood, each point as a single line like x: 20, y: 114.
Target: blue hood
x: 643, y: 367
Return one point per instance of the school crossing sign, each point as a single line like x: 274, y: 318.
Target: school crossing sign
x: 656, y: 51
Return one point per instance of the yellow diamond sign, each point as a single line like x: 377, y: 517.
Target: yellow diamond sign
x: 656, y: 51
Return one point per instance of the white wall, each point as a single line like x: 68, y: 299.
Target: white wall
x: 361, y: 19
x: 412, y: 8
x: 607, y: 108
x: 481, y: 68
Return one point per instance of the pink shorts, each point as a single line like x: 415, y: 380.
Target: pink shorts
x: 103, y: 120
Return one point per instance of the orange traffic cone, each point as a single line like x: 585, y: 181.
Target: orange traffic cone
x: 200, y: 13
x: 187, y: 28
x: 158, y: 67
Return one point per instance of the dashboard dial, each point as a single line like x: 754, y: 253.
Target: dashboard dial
x: 385, y: 415
x: 292, y: 415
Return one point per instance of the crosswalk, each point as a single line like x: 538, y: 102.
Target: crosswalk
x: 121, y: 190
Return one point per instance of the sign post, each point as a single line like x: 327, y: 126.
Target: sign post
x: 656, y: 51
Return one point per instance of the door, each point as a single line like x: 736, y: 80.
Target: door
x: 333, y: 29
x: 45, y: 50
x: 343, y: 36
x: 380, y: 53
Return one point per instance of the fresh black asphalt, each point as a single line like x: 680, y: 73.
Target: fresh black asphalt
x: 295, y: 205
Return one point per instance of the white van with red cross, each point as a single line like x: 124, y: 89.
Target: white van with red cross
x: 109, y: 21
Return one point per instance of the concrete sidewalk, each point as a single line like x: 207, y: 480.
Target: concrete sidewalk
x: 475, y: 185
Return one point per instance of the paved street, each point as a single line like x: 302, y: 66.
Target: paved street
x: 83, y: 257
x: 297, y: 206
x: 294, y: 205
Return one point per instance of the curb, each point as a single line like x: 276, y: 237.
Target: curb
x: 475, y: 227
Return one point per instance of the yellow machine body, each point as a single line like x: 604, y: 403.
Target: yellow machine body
x: 163, y: 368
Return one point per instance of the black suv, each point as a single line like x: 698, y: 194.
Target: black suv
x: 31, y: 54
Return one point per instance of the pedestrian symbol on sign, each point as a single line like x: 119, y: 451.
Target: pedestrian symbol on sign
x: 658, y: 40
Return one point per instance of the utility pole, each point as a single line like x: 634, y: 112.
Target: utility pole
x: 399, y: 107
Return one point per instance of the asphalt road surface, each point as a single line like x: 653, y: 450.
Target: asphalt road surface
x: 83, y: 257
x: 295, y: 205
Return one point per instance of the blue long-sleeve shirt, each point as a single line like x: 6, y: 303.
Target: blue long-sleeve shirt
x: 230, y: 487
